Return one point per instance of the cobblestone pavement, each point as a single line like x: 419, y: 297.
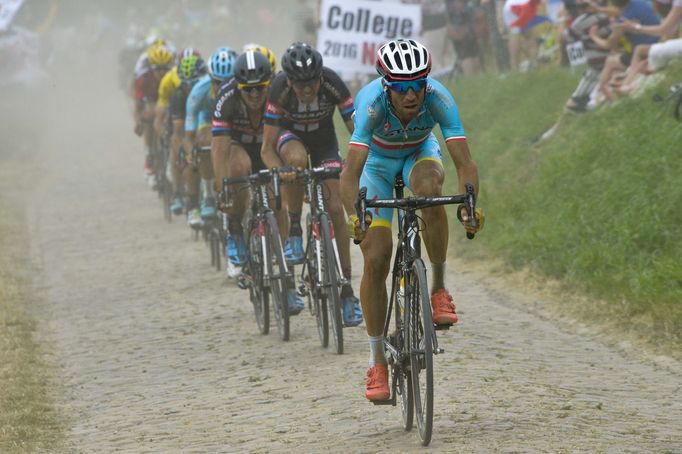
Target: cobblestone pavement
x: 160, y: 353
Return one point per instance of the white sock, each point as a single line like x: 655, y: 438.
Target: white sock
x: 376, y: 350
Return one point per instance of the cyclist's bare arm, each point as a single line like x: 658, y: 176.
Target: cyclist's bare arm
x: 267, y: 152
x: 220, y: 155
x: 465, y: 165
x: 350, y: 176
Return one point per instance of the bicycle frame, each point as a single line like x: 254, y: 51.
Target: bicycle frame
x: 314, y: 192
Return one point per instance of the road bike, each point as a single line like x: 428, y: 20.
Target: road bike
x: 411, y: 342
x: 267, y: 275
x: 321, y: 275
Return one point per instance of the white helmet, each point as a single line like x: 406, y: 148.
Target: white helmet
x: 403, y: 59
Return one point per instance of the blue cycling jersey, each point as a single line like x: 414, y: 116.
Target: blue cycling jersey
x: 199, y: 105
x: 379, y: 129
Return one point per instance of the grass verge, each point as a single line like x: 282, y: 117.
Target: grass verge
x: 29, y: 421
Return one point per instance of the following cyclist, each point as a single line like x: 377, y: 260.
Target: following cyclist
x: 197, y: 128
x: 299, y: 127
x: 145, y: 93
x: 394, y: 118
x: 190, y: 69
x: 237, y: 140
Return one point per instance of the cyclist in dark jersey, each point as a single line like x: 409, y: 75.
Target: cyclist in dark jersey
x: 299, y: 129
x: 237, y: 139
x: 190, y: 69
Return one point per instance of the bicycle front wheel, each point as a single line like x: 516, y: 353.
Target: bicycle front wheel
x: 315, y: 292
x: 279, y: 275
x: 258, y: 292
x: 419, y: 331
x: 331, y: 282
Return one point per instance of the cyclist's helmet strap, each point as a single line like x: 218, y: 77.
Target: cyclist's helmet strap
x: 403, y: 59
x: 252, y: 67
x: 302, y: 62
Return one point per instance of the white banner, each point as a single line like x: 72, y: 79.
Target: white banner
x: 351, y: 31
x: 8, y: 8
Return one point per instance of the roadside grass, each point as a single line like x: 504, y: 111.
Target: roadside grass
x: 596, y: 206
x: 29, y: 421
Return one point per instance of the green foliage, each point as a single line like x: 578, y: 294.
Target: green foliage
x: 597, y: 205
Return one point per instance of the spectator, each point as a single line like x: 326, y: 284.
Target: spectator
x: 596, y: 54
x: 520, y: 17
x: 654, y: 57
x: 638, y: 10
x: 461, y: 17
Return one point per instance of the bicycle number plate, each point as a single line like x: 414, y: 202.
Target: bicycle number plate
x: 576, y: 53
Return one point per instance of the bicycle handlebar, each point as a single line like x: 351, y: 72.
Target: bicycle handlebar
x: 468, y: 199
x: 264, y: 176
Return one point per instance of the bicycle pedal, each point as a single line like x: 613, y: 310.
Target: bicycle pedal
x: 383, y: 402
x: 441, y: 327
x: 439, y: 351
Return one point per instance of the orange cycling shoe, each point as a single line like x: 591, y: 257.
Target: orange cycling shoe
x: 377, y: 383
x: 443, y: 308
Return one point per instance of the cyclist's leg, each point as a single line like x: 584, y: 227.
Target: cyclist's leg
x: 424, y: 172
x: 176, y: 166
x: 378, y: 178
x: 206, y: 173
x: 238, y: 165
x: 293, y: 153
x: 424, y: 175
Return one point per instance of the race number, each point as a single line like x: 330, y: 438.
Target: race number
x: 576, y: 53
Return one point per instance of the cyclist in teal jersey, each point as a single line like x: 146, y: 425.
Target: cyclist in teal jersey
x: 394, y: 118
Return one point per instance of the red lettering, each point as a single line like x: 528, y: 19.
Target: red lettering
x: 369, y: 53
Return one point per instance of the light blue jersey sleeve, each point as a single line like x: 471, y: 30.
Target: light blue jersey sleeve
x: 443, y: 108
x: 370, y: 112
x: 196, y: 103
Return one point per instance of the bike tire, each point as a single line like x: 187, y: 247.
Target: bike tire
x: 167, y: 195
x: 331, y: 282
x: 280, y: 281
x: 403, y: 376
x: 419, y: 330
x: 319, y: 300
x: 216, y: 250
x: 258, y: 292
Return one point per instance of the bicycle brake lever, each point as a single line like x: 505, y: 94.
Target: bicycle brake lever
x: 471, y: 207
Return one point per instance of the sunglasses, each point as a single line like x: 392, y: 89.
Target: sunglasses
x: 253, y: 88
x: 402, y: 87
x: 301, y: 84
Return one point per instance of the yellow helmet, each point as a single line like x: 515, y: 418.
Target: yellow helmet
x: 159, y: 55
x: 268, y: 53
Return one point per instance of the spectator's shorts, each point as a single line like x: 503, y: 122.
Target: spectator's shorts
x: 660, y: 54
x: 625, y: 59
x: 380, y: 172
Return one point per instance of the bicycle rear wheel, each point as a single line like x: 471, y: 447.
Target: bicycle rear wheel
x: 280, y: 281
x: 259, y: 294
x: 419, y: 330
x: 331, y: 282
x: 167, y: 195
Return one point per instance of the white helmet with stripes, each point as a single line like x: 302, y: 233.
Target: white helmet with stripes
x: 403, y: 59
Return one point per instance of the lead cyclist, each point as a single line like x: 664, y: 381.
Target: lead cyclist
x: 394, y: 118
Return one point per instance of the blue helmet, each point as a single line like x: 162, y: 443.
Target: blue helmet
x: 222, y: 64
